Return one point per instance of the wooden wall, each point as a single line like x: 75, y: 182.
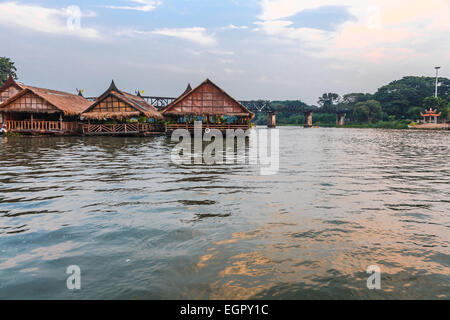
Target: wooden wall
x: 8, y: 93
x: 207, y: 100
x: 112, y: 104
x: 30, y: 103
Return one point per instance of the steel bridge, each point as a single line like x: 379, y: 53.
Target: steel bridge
x: 260, y: 106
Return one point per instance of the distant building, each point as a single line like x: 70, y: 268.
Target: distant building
x: 430, y: 114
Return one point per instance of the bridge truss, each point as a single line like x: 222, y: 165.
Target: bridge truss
x: 255, y: 106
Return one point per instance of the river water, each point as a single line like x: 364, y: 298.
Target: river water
x: 142, y: 227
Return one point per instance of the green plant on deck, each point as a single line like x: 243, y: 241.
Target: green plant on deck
x: 142, y: 119
x: 13, y: 134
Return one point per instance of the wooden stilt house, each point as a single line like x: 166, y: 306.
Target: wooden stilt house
x: 42, y: 111
x: 211, y: 105
x: 117, y: 112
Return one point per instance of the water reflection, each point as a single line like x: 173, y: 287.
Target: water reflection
x: 142, y: 227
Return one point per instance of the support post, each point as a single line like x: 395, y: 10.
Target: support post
x: 60, y: 122
x: 308, y: 119
x: 271, y: 120
x: 340, y: 119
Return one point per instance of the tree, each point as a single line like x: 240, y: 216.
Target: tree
x: 328, y: 101
x: 397, y: 97
x: 414, y: 112
x: 368, y: 111
x: 6, y: 68
x: 433, y: 102
x: 354, y: 98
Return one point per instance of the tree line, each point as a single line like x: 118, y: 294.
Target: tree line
x: 399, y: 100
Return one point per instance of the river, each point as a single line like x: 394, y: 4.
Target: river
x: 141, y: 227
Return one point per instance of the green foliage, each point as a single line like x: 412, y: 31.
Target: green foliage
x: 142, y: 119
x: 329, y: 101
x: 368, y: 111
x: 324, y: 119
x: 399, y: 96
x: 433, y: 102
x: 414, y: 112
x: 395, y: 124
x: 6, y: 68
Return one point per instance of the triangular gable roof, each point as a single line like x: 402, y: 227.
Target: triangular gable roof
x: 11, y: 82
x: 170, y: 108
x: 137, y: 102
x: 69, y: 104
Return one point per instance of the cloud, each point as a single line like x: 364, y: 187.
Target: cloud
x: 234, y: 27
x: 195, y: 34
x: 65, y: 21
x: 379, y: 30
x: 145, y: 5
x: 233, y: 71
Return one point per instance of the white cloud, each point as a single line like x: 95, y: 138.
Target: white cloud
x: 222, y: 52
x: 383, y: 29
x: 195, y: 34
x: 233, y: 71
x: 42, y: 19
x: 145, y: 5
x: 234, y: 27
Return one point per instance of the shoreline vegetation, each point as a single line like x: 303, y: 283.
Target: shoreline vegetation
x: 397, y: 105
x: 397, y: 125
x: 378, y: 125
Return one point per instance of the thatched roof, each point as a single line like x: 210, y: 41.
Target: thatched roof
x: 138, y: 103
x: 69, y: 104
x: 195, y: 102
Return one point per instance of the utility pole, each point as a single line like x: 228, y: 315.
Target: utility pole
x: 436, y: 92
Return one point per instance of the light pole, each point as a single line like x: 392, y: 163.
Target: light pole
x: 436, y: 92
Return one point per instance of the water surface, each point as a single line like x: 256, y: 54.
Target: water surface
x: 141, y: 227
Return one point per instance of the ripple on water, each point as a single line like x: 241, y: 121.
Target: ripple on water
x: 141, y: 227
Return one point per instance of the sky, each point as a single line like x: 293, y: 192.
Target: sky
x: 254, y: 49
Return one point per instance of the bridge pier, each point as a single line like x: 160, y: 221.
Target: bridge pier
x: 308, y: 119
x: 271, y: 120
x: 340, y: 119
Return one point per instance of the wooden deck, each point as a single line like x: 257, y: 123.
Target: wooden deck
x: 121, y: 129
x: 38, y: 126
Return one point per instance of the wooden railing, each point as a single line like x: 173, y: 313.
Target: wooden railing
x: 222, y: 127
x: 121, y: 128
x: 40, y: 126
